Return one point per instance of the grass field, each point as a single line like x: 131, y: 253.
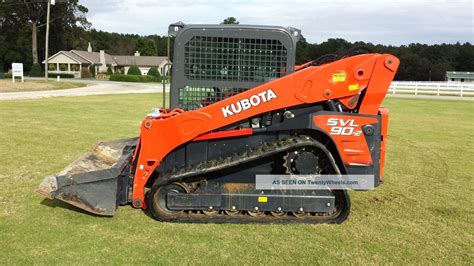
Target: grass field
x: 6, y: 85
x: 422, y: 214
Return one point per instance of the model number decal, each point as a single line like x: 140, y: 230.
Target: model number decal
x: 341, y: 127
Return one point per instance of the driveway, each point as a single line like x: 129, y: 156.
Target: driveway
x: 89, y: 81
x: 97, y: 88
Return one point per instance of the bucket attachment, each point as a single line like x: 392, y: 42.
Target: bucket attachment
x: 97, y: 182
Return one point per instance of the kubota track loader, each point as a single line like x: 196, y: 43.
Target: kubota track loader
x: 240, y: 107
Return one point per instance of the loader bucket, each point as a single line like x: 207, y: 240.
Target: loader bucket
x: 96, y: 182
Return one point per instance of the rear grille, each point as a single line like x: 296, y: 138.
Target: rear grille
x: 234, y: 59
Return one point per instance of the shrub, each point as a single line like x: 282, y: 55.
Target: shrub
x: 85, y: 73
x: 1, y: 73
x: 36, y: 71
x: 109, y: 71
x: 132, y: 78
x: 61, y: 75
x: 92, y: 70
x: 155, y: 73
x: 8, y: 75
x: 134, y: 70
x: 127, y: 78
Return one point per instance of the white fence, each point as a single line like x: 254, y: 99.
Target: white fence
x: 459, y: 89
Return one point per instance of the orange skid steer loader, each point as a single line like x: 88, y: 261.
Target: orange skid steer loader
x: 240, y: 107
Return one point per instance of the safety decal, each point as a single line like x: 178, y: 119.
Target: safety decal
x: 339, y: 77
x: 262, y: 199
x: 354, y: 87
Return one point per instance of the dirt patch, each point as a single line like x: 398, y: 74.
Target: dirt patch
x: 3, y: 200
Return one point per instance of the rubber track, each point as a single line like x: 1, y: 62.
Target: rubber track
x: 262, y: 151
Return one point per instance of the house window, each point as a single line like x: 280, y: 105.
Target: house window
x: 74, y: 67
x: 462, y: 80
x: 452, y: 79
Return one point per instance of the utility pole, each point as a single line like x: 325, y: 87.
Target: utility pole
x: 46, y: 55
x: 168, y: 53
x: 164, y: 74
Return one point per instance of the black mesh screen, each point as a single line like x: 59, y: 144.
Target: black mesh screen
x: 190, y: 98
x: 234, y: 59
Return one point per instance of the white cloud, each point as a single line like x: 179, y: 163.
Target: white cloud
x: 378, y: 21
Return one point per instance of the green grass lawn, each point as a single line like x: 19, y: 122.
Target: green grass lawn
x: 422, y: 214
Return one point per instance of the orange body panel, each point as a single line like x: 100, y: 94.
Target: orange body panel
x: 348, y: 136
x: 383, y: 144
x: 343, y: 79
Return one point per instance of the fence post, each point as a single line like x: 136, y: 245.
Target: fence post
x: 461, y: 90
x: 394, y: 87
x: 416, y: 89
x: 437, y: 85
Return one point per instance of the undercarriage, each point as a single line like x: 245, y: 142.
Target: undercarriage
x: 199, y: 193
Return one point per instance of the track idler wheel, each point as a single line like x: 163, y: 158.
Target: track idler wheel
x: 157, y: 200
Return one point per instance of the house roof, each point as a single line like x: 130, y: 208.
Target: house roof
x: 460, y: 74
x: 75, y: 57
x: 150, y: 61
x: 85, y: 57
x: 93, y: 57
x: 70, y: 55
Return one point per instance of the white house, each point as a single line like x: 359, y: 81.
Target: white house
x: 460, y: 76
x: 73, y: 61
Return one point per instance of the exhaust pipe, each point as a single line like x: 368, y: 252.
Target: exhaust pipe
x: 98, y: 181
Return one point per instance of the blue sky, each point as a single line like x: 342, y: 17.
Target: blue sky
x: 393, y: 22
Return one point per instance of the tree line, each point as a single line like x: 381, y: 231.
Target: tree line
x: 418, y: 62
x: 22, y: 34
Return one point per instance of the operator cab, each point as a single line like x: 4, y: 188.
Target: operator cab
x: 213, y: 62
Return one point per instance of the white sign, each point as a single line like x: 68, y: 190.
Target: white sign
x: 17, y: 71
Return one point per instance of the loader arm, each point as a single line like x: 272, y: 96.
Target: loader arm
x: 361, y: 80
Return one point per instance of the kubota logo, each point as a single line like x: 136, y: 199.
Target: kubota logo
x: 245, y: 104
x: 343, y: 127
